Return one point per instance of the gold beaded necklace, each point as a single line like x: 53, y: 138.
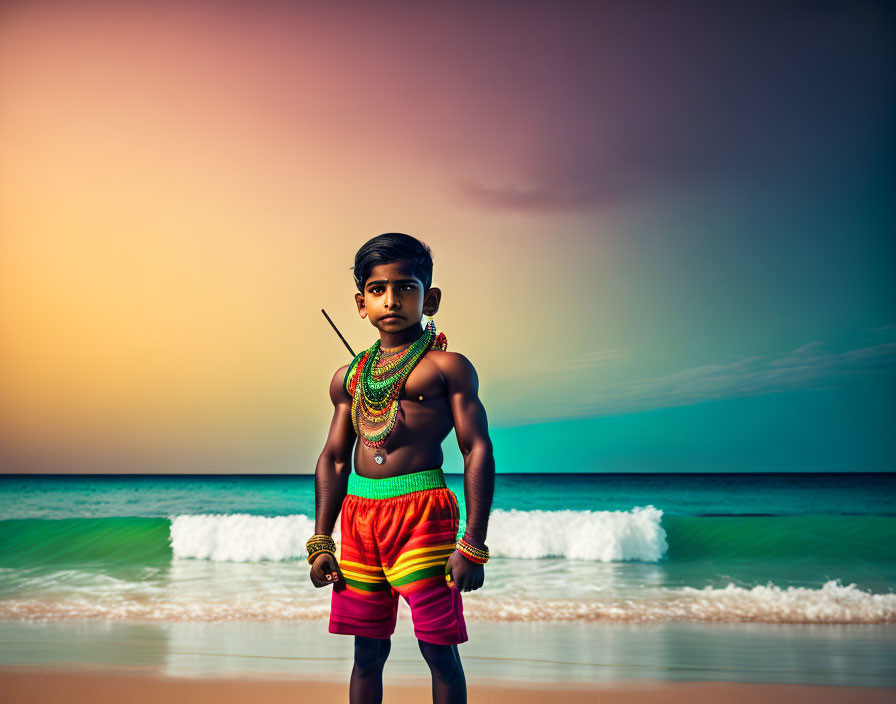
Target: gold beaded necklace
x: 374, y: 380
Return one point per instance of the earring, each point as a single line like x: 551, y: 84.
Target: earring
x: 440, y: 342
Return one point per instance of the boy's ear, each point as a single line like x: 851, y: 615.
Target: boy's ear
x: 362, y: 307
x: 431, y: 302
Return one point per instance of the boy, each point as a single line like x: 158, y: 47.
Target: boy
x: 399, y: 520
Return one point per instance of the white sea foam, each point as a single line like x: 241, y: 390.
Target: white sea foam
x: 600, y: 536
x: 832, y: 603
x: 240, y: 537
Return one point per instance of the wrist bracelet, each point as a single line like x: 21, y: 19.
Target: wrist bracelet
x: 471, y: 552
x: 474, y: 543
x: 319, y: 543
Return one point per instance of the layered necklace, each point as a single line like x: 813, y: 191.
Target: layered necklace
x: 374, y: 380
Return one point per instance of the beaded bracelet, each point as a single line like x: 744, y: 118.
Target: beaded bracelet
x: 319, y: 543
x: 472, y: 549
x: 475, y: 543
x: 471, y: 552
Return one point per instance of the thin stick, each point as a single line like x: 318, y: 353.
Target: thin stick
x: 337, y: 332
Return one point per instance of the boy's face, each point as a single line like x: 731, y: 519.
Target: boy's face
x: 393, y: 297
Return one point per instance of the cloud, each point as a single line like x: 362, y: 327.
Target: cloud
x: 807, y: 367
x: 682, y: 102
x: 883, y: 328
x: 561, y: 194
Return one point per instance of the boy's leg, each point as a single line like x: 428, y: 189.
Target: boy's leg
x: 449, y: 685
x: 366, y: 685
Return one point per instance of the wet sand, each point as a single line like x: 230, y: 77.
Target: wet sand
x: 27, y: 685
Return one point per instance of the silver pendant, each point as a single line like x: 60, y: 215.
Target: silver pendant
x: 379, y: 456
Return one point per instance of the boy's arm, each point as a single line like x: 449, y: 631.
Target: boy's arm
x: 471, y: 428
x: 335, y: 462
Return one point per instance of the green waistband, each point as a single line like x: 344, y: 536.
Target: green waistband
x: 387, y: 487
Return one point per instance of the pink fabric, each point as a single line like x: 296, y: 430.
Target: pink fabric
x: 399, y: 546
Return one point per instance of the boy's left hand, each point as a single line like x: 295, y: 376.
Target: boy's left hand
x: 464, y: 574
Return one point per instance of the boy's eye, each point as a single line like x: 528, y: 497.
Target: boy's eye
x: 379, y: 289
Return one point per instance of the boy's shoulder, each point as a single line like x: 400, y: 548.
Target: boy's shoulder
x: 446, y: 357
x: 337, y: 389
x: 455, y: 367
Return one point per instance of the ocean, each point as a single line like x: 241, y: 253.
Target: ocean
x: 568, y: 551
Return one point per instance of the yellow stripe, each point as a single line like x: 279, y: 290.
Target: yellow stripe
x: 422, y: 552
x: 403, y: 561
x: 361, y: 566
x: 362, y: 577
x: 419, y: 565
x: 408, y: 562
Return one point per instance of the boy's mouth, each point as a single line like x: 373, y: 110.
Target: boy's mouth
x: 390, y: 318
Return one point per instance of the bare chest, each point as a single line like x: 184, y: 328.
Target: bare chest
x: 424, y: 385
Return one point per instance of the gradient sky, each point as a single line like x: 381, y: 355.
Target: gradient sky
x: 663, y: 231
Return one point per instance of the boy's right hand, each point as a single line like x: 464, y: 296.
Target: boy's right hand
x: 326, y: 570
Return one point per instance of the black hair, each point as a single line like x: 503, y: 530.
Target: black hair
x: 389, y: 247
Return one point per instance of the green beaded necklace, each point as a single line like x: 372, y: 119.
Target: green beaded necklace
x: 374, y: 380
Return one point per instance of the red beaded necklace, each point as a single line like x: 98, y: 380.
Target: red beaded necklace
x: 374, y: 380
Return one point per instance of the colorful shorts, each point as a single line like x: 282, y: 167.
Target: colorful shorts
x: 397, y: 534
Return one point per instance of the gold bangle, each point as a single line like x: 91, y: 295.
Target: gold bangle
x: 472, y: 553
x: 313, y: 556
x: 319, y: 543
x: 472, y: 548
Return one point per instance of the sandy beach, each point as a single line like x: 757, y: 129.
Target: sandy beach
x: 204, y: 595
x: 113, y: 686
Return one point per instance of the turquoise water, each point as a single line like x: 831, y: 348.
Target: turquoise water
x: 565, y: 547
x: 786, y: 494
x: 603, y: 572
